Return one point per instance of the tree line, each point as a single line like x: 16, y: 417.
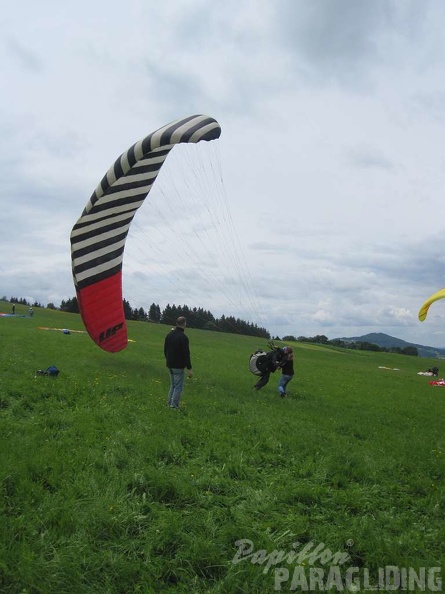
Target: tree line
x: 355, y: 345
x: 21, y: 301
x: 197, y: 317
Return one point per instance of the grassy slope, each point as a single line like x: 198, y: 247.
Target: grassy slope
x: 107, y: 490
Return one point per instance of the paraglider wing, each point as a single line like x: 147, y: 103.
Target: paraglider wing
x: 425, y: 307
x: 98, y: 237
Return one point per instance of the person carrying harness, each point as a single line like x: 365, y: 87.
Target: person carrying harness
x: 264, y: 363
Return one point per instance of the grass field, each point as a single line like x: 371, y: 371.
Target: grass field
x: 106, y: 490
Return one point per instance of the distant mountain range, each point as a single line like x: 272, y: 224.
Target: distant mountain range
x: 384, y: 340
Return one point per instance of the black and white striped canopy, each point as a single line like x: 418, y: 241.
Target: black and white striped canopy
x: 98, y: 237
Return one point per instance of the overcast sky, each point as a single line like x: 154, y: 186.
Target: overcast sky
x: 329, y: 173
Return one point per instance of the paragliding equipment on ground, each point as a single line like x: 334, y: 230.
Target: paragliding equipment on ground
x: 51, y: 371
x: 425, y: 307
x: 98, y: 237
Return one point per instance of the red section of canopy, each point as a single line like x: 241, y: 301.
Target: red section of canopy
x: 102, y: 312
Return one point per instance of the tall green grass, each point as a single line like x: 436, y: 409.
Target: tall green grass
x: 105, y: 489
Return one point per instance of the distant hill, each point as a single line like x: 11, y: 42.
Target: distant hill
x: 384, y: 340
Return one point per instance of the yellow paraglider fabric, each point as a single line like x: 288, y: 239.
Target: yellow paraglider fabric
x: 425, y: 307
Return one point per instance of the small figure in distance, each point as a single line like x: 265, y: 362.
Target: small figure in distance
x: 177, y: 358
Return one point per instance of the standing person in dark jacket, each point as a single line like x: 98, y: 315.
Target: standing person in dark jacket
x: 177, y: 357
x: 287, y: 371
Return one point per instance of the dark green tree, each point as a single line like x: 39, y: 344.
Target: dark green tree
x: 128, y: 312
x: 70, y: 305
x: 410, y: 350
x: 154, y: 313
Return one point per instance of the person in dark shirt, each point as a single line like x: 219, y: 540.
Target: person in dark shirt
x: 287, y: 371
x: 177, y: 358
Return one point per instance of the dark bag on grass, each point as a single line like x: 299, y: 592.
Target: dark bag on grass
x: 52, y: 371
